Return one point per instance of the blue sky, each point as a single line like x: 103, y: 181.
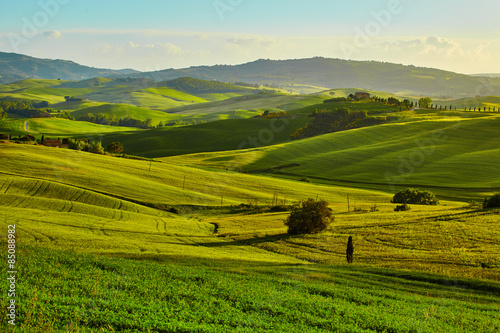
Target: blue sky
x: 462, y: 36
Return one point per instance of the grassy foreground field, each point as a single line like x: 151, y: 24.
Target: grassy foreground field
x: 100, y: 248
x: 64, y: 292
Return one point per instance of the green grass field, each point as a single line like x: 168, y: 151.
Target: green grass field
x: 229, y: 134
x: 121, y: 111
x: 249, y: 102
x: 372, y: 108
x: 105, y: 294
x: 454, y: 152
x: 57, y: 127
x: 189, y: 242
x: 98, y: 252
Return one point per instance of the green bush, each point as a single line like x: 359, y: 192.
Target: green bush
x: 96, y: 148
x: 115, y: 148
x: 402, y: 208
x: 309, y: 217
x: 492, y: 202
x: 279, y: 208
x: 415, y: 196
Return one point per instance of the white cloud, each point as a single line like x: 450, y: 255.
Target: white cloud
x: 422, y: 45
x: 441, y: 43
x: 132, y: 45
x: 258, y: 42
x: 170, y: 48
x: 52, y: 34
x: 107, y: 49
x: 460, y: 55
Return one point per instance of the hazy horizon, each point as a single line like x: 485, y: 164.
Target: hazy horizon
x: 458, y: 36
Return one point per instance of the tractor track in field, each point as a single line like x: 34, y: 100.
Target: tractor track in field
x: 10, y: 204
x: 108, y: 230
x: 52, y: 239
x: 19, y: 203
x: 47, y: 185
x: 78, y: 196
x: 34, y: 188
x: 8, y: 186
x: 31, y: 233
x: 134, y: 201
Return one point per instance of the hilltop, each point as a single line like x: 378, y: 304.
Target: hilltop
x: 15, y: 67
x: 338, y: 73
x: 136, y: 91
x: 297, y: 75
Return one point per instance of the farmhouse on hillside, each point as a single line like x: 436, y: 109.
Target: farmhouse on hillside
x: 362, y: 95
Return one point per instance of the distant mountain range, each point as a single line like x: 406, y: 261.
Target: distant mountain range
x: 321, y: 72
x: 337, y: 73
x: 15, y: 67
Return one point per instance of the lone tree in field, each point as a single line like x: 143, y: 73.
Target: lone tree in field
x: 115, y: 148
x: 415, y: 196
x: 350, y: 250
x: 309, y: 217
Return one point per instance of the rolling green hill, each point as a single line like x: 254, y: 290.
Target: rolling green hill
x: 139, y: 92
x: 219, y: 265
x: 259, y: 102
x: 338, y: 73
x: 373, y: 108
x: 228, y: 134
x: 479, y: 102
x: 57, y: 127
x: 196, y: 242
x: 15, y: 67
x: 123, y: 110
x: 454, y: 152
x: 197, y: 86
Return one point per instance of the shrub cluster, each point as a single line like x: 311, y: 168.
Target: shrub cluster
x: 115, y: 147
x: 110, y: 120
x: 492, y: 202
x: 274, y: 115
x: 337, y: 99
x: 85, y: 145
x: 402, y: 208
x: 304, y: 179
x: 194, y: 86
x: 415, y: 196
x: 309, y: 217
x: 333, y: 121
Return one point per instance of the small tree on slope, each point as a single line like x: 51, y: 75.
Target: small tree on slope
x: 309, y: 217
